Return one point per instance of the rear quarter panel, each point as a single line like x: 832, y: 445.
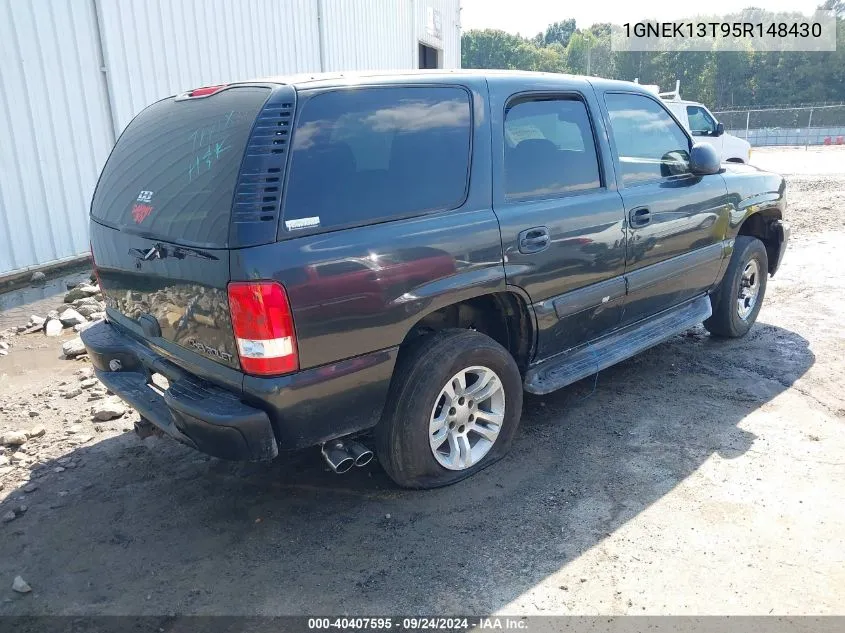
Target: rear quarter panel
x: 407, y: 267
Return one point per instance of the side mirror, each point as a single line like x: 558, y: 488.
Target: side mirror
x: 704, y: 160
x: 720, y: 129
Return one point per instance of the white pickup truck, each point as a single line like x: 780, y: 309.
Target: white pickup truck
x: 703, y: 125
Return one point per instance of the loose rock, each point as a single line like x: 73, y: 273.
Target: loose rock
x: 37, y: 276
x: 73, y: 348
x: 36, y: 431
x: 81, y: 291
x: 36, y: 320
x: 108, y: 410
x: 71, y: 317
x: 72, y: 392
x: 20, y: 585
x: 30, y: 487
x: 9, y: 516
x: 53, y: 327
x: 85, y: 301
x: 14, y: 438
x: 4, y: 345
x: 88, y: 310
x: 88, y: 383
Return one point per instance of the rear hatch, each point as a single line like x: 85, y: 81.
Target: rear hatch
x: 161, y: 218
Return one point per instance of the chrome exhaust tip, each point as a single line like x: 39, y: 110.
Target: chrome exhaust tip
x: 337, y: 456
x: 360, y: 453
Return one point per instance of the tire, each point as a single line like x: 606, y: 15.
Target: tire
x: 418, y: 395
x: 730, y: 319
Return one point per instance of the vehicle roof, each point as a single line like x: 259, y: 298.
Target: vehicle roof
x: 492, y: 76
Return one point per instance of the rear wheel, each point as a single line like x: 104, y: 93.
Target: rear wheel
x: 453, y: 409
x: 739, y: 298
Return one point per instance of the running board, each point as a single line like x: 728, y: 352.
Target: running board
x: 569, y: 367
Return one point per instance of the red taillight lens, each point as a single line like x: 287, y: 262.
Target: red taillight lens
x: 263, y: 325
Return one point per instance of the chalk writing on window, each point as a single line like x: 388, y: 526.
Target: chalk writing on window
x: 208, y: 143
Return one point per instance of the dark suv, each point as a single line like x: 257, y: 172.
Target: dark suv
x: 315, y: 262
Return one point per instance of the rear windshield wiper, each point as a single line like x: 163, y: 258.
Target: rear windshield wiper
x: 160, y: 251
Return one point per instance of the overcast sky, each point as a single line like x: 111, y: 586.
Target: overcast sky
x: 529, y: 17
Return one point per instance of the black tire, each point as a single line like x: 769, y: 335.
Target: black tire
x: 402, y: 435
x: 726, y: 320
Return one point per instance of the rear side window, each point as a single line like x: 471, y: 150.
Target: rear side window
x: 650, y: 144
x: 369, y: 154
x: 549, y: 149
x: 173, y: 172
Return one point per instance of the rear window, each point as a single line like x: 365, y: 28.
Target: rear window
x: 173, y: 172
x: 549, y: 149
x: 362, y: 155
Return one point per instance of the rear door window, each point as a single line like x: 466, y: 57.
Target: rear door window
x: 549, y: 149
x: 371, y: 154
x: 173, y: 172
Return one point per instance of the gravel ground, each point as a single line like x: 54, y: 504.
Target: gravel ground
x: 701, y: 477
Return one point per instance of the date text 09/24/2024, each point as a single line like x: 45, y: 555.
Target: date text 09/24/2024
x: 418, y: 623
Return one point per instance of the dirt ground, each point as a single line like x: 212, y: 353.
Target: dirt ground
x: 701, y: 477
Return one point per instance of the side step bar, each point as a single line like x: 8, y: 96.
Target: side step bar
x: 569, y: 367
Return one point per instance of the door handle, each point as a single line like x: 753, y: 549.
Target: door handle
x: 533, y: 240
x: 639, y: 217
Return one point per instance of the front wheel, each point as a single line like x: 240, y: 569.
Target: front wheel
x: 453, y: 409
x: 738, y: 300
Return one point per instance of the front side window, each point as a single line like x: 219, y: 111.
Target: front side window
x: 650, y: 144
x: 549, y: 149
x: 700, y: 121
x: 369, y: 154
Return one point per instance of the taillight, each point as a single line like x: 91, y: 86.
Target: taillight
x: 263, y: 325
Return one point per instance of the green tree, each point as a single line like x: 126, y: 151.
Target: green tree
x: 718, y: 78
x: 579, y: 53
x: 559, y: 32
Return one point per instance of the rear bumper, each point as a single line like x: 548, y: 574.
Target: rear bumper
x: 252, y: 423
x: 193, y: 411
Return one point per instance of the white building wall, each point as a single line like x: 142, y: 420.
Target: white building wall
x: 383, y: 35
x: 73, y: 73
x: 448, y: 40
x: 54, y: 130
x: 156, y: 48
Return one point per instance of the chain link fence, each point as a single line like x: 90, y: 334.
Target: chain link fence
x: 806, y: 125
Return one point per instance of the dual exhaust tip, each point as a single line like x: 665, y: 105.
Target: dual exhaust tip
x: 342, y: 456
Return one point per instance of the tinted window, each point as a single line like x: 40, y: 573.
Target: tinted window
x: 173, y: 172
x: 549, y: 149
x: 367, y: 154
x: 700, y: 121
x: 651, y: 145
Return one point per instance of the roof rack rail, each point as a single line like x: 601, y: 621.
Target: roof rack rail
x: 674, y: 95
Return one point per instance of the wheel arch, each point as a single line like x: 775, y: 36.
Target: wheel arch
x: 505, y: 316
x: 763, y: 224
